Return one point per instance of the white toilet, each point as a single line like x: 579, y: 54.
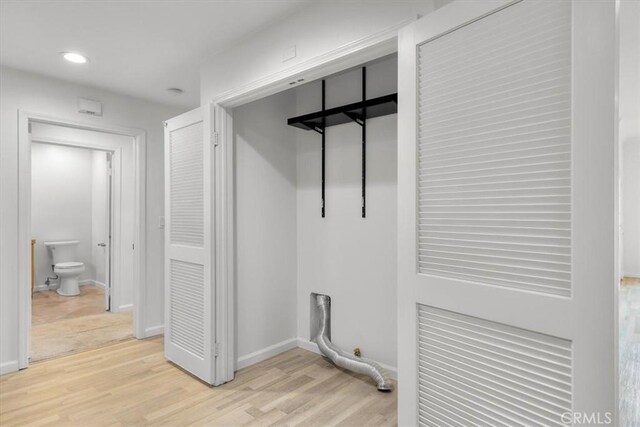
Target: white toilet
x: 64, y: 254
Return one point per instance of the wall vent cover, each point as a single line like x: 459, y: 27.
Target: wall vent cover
x: 494, y: 150
x: 476, y: 372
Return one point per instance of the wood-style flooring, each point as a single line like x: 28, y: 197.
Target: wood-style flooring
x: 64, y: 325
x: 131, y: 384
x: 629, y: 311
x: 48, y: 306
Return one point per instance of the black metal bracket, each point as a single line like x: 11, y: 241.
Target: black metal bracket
x: 357, y: 118
x: 324, y: 125
x: 364, y: 143
x: 358, y: 113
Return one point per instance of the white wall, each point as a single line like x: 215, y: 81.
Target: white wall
x: 100, y: 215
x: 629, y: 134
x: 321, y: 28
x: 24, y: 91
x: 61, y: 194
x: 343, y: 255
x: 265, y: 174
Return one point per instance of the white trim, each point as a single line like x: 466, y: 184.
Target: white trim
x: 266, y: 353
x: 95, y: 283
x: 8, y: 367
x: 154, y: 331
x: 125, y: 308
x: 305, y: 344
x: 24, y: 220
x: 86, y: 282
x: 346, y: 56
x: 224, y: 253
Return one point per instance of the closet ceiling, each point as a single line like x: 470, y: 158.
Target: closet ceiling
x: 139, y: 48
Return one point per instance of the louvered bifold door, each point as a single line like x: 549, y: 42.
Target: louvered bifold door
x: 506, y: 282
x: 189, y: 288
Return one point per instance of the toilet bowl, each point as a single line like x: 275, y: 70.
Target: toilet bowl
x: 63, y: 254
x: 69, y: 273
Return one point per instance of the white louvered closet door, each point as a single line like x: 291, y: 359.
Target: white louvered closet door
x: 507, y: 285
x: 189, y: 287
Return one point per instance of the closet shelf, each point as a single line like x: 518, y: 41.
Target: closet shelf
x: 375, y: 107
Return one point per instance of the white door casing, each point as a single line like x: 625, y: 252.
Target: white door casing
x: 189, y: 250
x: 507, y: 214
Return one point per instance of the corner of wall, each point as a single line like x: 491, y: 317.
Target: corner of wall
x: 154, y: 331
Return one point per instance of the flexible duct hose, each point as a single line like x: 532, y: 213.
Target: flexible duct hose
x: 341, y: 358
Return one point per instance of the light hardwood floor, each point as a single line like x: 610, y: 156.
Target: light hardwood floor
x: 629, y: 367
x: 64, y: 325
x: 48, y: 306
x: 130, y: 384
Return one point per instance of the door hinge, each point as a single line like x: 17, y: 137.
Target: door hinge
x: 133, y: 246
x: 216, y: 137
x: 216, y: 349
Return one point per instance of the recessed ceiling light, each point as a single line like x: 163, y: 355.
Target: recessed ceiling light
x: 175, y: 91
x: 76, y: 58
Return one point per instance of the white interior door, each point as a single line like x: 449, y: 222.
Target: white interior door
x: 189, y: 279
x: 507, y: 225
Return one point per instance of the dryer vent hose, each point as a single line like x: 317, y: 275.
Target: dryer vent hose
x: 342, y: 358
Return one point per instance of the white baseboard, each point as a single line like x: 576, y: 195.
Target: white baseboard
x: 92, y: 283
x: 42, y: 287
x: 125, y: 307
x: 8, y: 367
x: 308, y: 345
x: 313, y: 347
x: 266, y: 353
x: 153, y: 331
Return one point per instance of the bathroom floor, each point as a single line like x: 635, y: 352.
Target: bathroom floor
x: 65, y: 325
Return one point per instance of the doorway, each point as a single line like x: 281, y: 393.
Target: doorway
x: 71, y: 201
x: 104, y: 306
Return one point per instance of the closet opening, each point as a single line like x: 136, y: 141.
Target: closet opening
x: 298, y: 155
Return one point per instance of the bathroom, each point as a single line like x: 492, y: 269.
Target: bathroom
x: 72, y: 205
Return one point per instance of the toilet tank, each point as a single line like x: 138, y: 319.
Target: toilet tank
x: 63, y: 251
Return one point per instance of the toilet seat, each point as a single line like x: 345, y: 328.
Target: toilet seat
x: 68, y: 265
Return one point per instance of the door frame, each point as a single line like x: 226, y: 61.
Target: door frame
x: 348, y: 56
x: 24, y: 219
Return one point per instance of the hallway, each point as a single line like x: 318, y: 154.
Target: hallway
x: 130, y: 383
